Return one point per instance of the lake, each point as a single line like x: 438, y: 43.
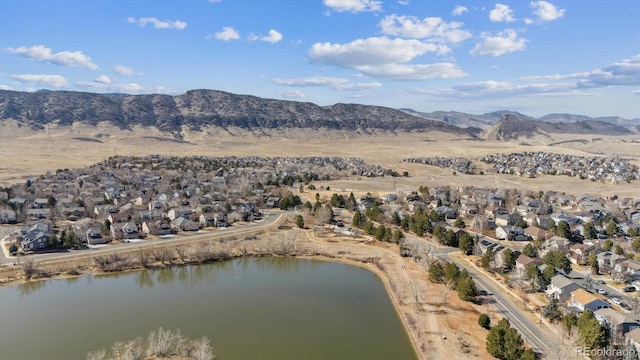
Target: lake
x: 254, y: 308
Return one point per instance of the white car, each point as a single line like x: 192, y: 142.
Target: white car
x: 602, y: 291
x: 616, y: 301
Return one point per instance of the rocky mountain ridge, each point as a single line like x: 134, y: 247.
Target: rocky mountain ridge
x: 197, y: 109
x: 514, y: 127
x: 487, y: 120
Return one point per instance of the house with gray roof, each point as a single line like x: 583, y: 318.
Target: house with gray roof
x: 561, y: 287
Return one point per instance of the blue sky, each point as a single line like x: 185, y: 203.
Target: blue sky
x: 536, y: 57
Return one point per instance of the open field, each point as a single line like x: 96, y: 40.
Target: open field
x: 27, y: 153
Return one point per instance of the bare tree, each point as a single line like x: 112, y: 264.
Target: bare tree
x: 30, y: 268
x: 163, y: 255
x: 144, y: 256
x: 182, y: 254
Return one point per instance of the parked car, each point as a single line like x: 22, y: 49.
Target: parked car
x: 629, y: 289
x: 616, y: 301
x: 600, y: 282
x: 602, y: 291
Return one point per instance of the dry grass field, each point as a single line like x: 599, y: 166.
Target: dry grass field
x: 25, y: 153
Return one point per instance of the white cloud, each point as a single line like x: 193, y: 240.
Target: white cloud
x: 64, y: 58
x: 624, y: 73
x: 635, y: 92
x: 54, y: 81
x: 410, y: 72
x: 5, y: 87
x: 404, y: 2
x: 528, y: 21
x: 319, y: 81
x: 429, y: 28
x: 370, y: 51
x: 158, y: 24
x: 504, y: 42
x: 311, y: 81
x: 273, y: 37
x: 354, y: 6
x: 501, y: 13
x: 546, y: 11
x: 125, y: 70
x: 103, y: 79
x: 292, y: 94
x: 496, y: 89
x: 459, y: 10
x: 227, y: 34
x: 131, y: 88
x: 385, y: 58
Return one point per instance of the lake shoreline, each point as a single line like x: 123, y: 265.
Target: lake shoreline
x: 386, y: 264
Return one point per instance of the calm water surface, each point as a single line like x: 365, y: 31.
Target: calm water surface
x: 260, y: 309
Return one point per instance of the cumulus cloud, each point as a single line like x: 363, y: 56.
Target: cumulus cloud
x: 320, y: 81
x: 103, y: 79
x: 125, y: 70
x: 354, y: 6
x: 546, y: 11
x: 384, y: 57
x: 44, y: 54
x: 459, y: 10
x: 5, y: 87
x: 501, y: 13
x: 227, y: 34
x: 370, y: 51
x: 504, y: 42
x: 429, y: 28
x: 623, y: 73
x: 54, y: 81
x: 158, y: 24
x: 409, y: 72
x: 273, y: 37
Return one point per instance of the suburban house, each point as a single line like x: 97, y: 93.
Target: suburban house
x: 561, y: 287
x: 510, y: 232
x: 184, y: 212
x: 523, y: 261
x: 607, y: 261
x: 156, y: 227
x: 583, y: 300
x: 580, y: 252
x: 126, y: 230
x: 182, y: 224
x: 35, y: 237
x: 485, y: 245
x: 628, y: 268
x: 557, y: 243
x: 535, y: 232
x: 94, y: 238
x: 622, y: 323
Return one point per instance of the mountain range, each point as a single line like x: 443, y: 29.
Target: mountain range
x: 197, y: 109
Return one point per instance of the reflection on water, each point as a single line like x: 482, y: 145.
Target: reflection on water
x: 30, y: 287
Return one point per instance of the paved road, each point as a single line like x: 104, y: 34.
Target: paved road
x: 536, y: 335
x: 268, y: 220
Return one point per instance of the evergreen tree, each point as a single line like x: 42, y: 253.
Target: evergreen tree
x: 590, y: 230
x: 530, y: 251
x: 299, y: 220
x: 467, y: 289
x: 612, y: 228
x: 466, y: 244
x: 357, y: 220
x: 563, y: 229
x: 484, y: 321
x: 436, y: 272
